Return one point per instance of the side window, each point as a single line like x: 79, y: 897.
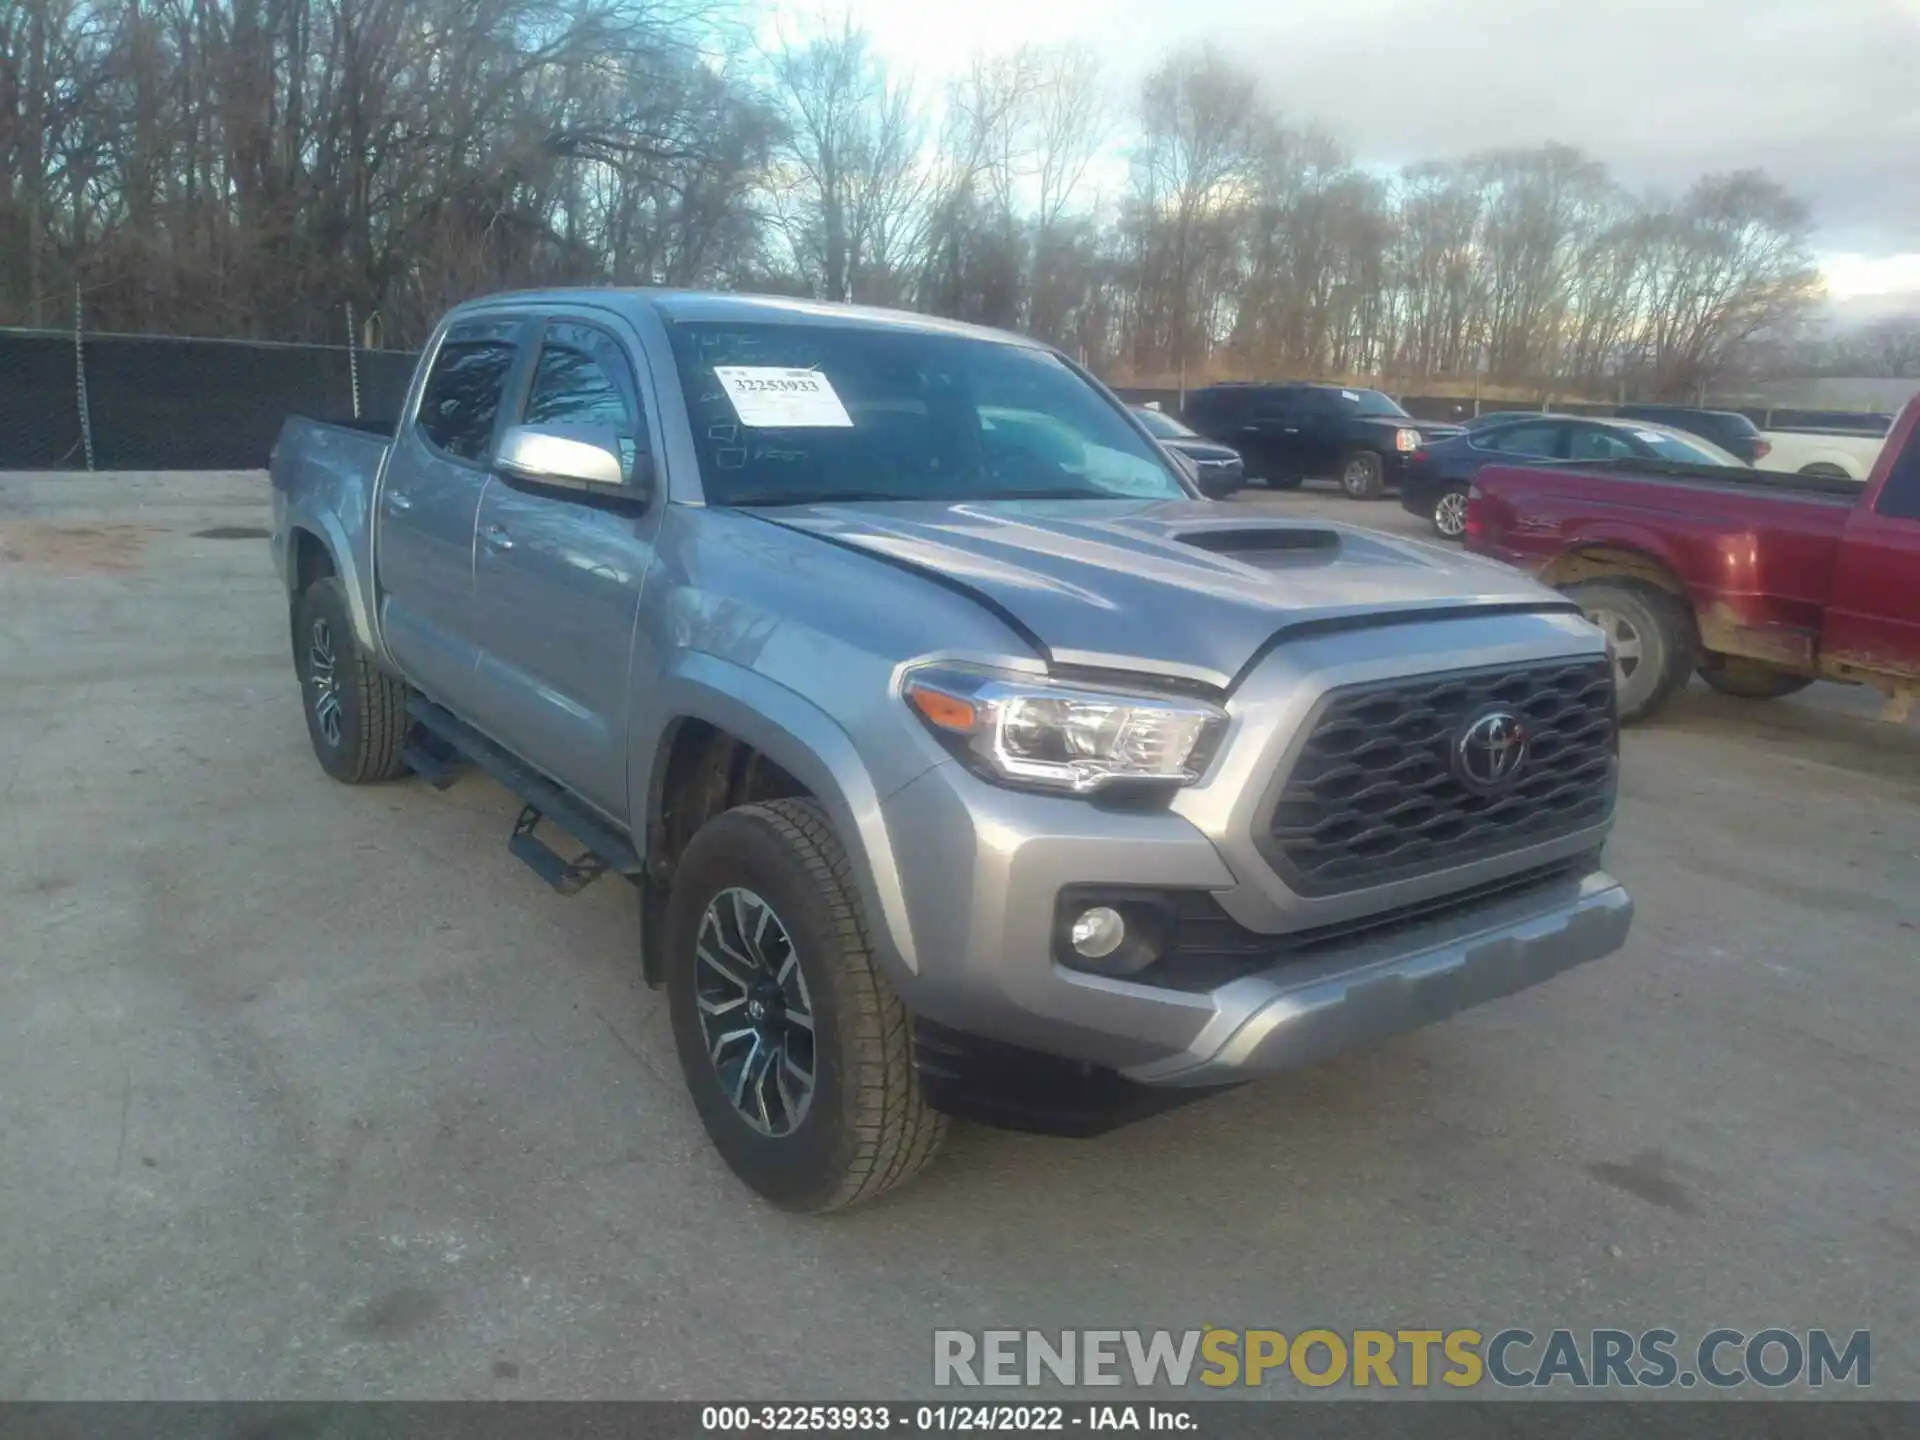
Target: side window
x: 1280, y: 403
x: 582, y: 378
x: 1592, y: 443
x: 1900, y: 496
x: 1539, y: 442
x: 461, y: 399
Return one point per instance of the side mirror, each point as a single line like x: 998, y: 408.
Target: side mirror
x: 586, y: 460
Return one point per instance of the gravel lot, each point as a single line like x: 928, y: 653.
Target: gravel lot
x: 315, y: 1092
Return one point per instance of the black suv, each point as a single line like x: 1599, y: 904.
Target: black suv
x: 1729, y: 429
x: 1287, y: 432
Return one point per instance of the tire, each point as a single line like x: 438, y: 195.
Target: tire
x: 1750, y: 680
x: 864, y: 1127
x: 356, y: 712
x: 1450, y: 513
x: 1652, y: 636
x: 1363, y: 475
x: 1820, y: 470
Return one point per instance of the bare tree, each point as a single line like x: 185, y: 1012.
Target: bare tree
x: 1201, y: 124
x: 852, y: 147
x: 1728, y: 265
x: 246, y: 167
x: 1887, y: 349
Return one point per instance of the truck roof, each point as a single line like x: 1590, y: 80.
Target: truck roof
x: 717, y: 306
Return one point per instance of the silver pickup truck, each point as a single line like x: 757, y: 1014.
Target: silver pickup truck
x: 965, y: 761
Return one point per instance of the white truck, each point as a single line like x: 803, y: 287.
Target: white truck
x: 1831, y: 454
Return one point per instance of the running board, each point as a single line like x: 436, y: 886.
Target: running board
x: 606, y: 849
x: 433, y: 760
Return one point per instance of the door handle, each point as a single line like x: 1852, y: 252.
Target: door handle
x: 399, y: 500
x: 495, y: 538
x: 1292, y: 430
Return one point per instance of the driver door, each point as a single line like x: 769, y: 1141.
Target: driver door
x: 557, y: 579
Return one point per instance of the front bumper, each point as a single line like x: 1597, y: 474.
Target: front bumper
x: 1294, y: 1016
x: 981, y: 894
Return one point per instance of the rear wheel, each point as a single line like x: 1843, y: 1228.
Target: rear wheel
x: 1823, y: 471
x: 796, y: 1050
x: 1450, y: 512
x: 1650, y: 637
x: 356, y: 712
x: 1751, y: 680
x: 1363, y: 475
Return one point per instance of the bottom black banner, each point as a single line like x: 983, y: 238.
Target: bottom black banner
x: 1218, y: 1420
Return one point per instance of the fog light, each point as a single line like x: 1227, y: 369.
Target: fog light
x: 1097, y: 932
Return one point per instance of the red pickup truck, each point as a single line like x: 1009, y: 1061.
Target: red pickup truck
x: 1761, y: 582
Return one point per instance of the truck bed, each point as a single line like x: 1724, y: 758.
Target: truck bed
x: 330, y: 468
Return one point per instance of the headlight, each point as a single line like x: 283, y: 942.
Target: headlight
x: 1030, y: 730
x: 1404, y: 440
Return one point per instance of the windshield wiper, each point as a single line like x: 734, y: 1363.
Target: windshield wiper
x: 813, y: 497
x: 844, y: 497
x: 1058, y: 492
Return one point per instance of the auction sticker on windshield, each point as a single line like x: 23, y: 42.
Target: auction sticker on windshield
x: 771, y: 397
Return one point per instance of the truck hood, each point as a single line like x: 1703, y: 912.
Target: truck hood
x: 1179, y: 588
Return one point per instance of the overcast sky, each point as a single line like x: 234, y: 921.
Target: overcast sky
x: 1823, y: 94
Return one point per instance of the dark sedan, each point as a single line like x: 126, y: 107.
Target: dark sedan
x: 1218, y: 470
x: 1437, y: 476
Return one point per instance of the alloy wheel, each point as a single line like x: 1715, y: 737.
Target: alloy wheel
x: 323, y: 676
x: 1450, y: 514
x: 755, y: 1013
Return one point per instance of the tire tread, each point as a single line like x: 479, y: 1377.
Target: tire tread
x: 380, y: 700
x: 898, y: 1132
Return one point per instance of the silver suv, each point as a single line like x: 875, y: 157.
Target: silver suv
x: 965, y: 760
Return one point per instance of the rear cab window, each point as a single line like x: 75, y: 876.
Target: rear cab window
x: 1900, y: 496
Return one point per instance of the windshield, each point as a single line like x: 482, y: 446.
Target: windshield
x: 1372, y: 402
x: 796, y: 414
x: 1164, y: 425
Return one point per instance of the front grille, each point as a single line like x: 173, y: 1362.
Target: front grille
x: 1373, y: 796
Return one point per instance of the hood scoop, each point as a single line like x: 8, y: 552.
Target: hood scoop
x: 1265, y: 547
x: 1253, y: 541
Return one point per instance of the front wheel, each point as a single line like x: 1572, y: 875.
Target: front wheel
x: 1749, y: 680
x: 1363, y: 475
x: 796, y: 1050
x: 1450, y: 513
x: 356, y: 712
x: 1650, y: 638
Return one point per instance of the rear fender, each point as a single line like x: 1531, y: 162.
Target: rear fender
x: 331, y: 535
x: 1618, y: 551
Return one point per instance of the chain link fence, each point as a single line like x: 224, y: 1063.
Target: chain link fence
x: 73, y: 400
x: 79, y: 401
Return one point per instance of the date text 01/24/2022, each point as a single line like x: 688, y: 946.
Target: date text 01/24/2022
x: 910, y: 1419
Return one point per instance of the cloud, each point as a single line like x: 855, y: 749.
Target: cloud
x: 1822, y: 94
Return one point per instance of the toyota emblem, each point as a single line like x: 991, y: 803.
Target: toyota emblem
x: 1491, y: 752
